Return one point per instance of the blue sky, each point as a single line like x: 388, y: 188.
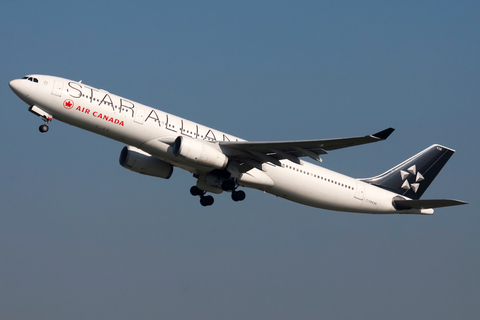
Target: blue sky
x: 83, y: 238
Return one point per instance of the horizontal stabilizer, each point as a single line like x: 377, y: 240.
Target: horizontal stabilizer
x: 425, y: 204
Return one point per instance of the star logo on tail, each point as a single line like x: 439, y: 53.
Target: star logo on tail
x: 411, y: 172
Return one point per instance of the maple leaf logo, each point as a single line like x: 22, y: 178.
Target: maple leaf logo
x: 68, y: 104
x: 414, y: 183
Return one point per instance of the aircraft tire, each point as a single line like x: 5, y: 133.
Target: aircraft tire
x: 195, y: 191
x: 206, y: 201
x: 238, y: 195
x: 43, y: 128
x: 228, y: 185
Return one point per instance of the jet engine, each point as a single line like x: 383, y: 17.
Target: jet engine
x: 139, y: 161
x: 199, y: 152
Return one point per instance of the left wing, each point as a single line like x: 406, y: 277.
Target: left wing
x: 292, y: 150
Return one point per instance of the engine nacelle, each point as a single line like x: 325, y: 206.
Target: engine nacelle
x: 199, y: 152
x: 139, y: 161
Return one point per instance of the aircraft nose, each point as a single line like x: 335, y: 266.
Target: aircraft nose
x: 18, y: 88
x: 14, y: 85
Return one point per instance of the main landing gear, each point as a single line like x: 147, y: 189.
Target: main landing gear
x: 208, y: 200
x: 229, y: 185
x: 204, y: 200
x: 238, y: 195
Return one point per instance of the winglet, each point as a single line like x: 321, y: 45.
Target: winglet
x: 382, y: 135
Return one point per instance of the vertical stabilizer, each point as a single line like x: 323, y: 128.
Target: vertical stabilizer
x: 413, y: 176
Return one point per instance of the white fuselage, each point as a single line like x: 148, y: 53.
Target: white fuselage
x: 150, y: 129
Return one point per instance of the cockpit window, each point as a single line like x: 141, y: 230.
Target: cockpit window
x: 31, y: 79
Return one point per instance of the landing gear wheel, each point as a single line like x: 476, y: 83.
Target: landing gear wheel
x: 206, y: 201
x: 238, y: 195
x: 43, y: 128
x: 228, y: 185
x: 195, y: 191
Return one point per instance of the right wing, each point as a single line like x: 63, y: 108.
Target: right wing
x: 292, y: 150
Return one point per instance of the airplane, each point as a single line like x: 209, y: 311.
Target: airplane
x: 157, y: 141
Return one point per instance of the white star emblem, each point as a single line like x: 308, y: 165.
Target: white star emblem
x: 418, y: 177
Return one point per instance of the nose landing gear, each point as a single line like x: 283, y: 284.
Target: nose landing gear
x: 44, y: 115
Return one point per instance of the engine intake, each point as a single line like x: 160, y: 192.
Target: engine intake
x: 139, y: 161
x: 199, y: 152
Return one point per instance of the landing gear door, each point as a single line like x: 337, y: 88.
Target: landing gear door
x: 57, y: 88
x: 360, y: 191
